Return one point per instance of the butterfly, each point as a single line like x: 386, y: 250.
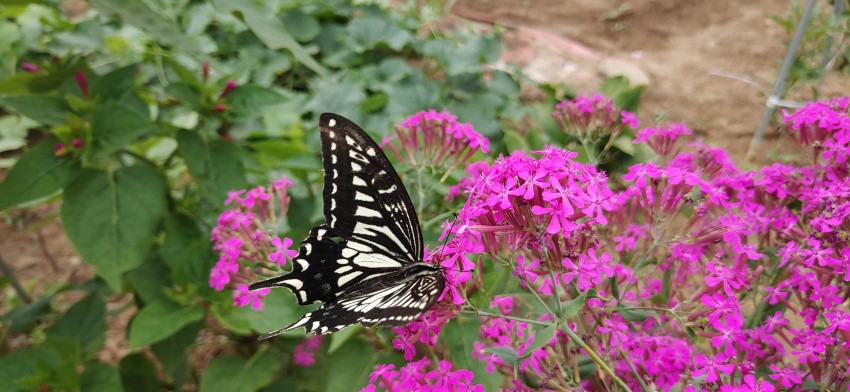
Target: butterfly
x: 365, y: 262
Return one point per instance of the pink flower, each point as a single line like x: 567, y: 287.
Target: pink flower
x: 282, y: 251
x: 243, y: 297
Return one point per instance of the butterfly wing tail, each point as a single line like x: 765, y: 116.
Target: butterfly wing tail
x: 322, y: 321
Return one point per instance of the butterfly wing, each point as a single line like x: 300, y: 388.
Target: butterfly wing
x: 391, y: 305
x: 371, y: 228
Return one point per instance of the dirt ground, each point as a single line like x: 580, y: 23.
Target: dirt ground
x: 709, y: 64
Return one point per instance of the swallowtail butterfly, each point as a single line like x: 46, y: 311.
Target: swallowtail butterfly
x: 365, y: 262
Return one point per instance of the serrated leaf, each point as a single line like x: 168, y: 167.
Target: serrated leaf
x: 85, y: 323
x: 216, y: 165
x: 113, y: 127
x: 271, y: 31
x: 44, y: 109
x: 111, y: 218
x: 236, y: 374
x: 541, y: 338
x: 38, y: 173
x: 138, y: 374
x: 159, y: 320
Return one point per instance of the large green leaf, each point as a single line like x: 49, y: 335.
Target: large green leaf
x: 44, y: 109
x: 38, y: 173
x: 100, y: 377
x: 249, y: 100
x: 216, y: 164
x: 270, y: 30
x: 187, y: 252
x: 138, y: 374
x: 159, y: 320
x: 115, y: 83
x: 236, y: 374
x: 85, y: 323
x: 111, y: 218
x: 113, y: 127
x: 174, y: 351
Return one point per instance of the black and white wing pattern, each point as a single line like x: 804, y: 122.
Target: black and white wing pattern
x: 365, y: 262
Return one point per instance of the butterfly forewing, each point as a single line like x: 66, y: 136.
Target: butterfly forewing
x: 365, y: 262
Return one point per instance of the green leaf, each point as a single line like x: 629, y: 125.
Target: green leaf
x: 150, y: 280
x: 507, y: 354
x: 173, y: 352
x: 186, y: 93
x: 338, y: 339
x: 111, y: 218
x: 22, y: 364
x: 100, y: 377
x: 138, y: 374
x: 138, y: 14
x: 369, y: 31
x: 541, y: 338
x: 38, y: 173
x: 85, y: 323
x: 278, y: 307
x: 271, y: 31
x: 186, y: 249
x: 250, y: 100
x: 159, y: 320
x: 636, y: 315
x: 216, y: 165
x: 113, y: 127
x: 44, y: 109
x: 571, y: 308
x: 114, y: 84
x: 459, y: 335
x: 303, y: 27
x: 351, y: 366
x: 236, y: 374
x: 24, y: 317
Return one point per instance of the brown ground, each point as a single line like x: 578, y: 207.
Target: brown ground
x: 707, y: 63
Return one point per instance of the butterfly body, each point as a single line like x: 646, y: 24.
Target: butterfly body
x: 365, y: 262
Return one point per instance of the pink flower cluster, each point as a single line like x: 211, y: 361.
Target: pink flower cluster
x: 695, y: 274
x: 422, y: 376
x: 589, y: 118
x: 304, y: 354
x: 435, y: 139
x: 242, y: 238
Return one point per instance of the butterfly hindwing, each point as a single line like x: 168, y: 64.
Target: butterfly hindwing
x: 394, y: 305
